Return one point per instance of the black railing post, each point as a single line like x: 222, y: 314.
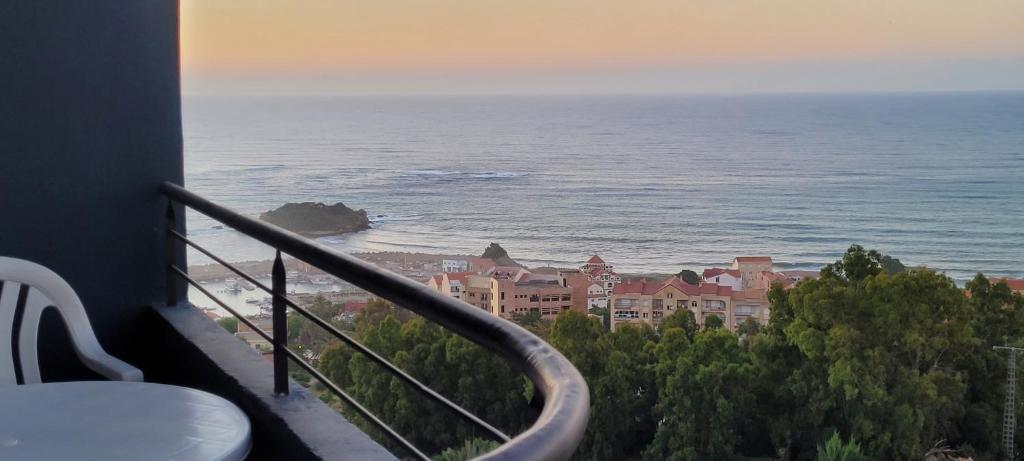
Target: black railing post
x: 280, y: 326
x: 171, y: 256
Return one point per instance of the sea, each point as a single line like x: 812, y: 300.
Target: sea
x: 651, y: 183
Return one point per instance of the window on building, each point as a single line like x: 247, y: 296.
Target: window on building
x: 502, y: 295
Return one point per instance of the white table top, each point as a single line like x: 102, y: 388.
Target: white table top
x: 113, y: 420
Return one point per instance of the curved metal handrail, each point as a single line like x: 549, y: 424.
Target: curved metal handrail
x: 563, y: 419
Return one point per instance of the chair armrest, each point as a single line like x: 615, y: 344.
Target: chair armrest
x: 110, y: 367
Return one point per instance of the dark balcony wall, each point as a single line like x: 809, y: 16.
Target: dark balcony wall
x: 90, y: 125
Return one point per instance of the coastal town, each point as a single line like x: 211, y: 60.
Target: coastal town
x: 736, y: 294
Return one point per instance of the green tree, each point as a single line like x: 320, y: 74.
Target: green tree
x: 891, y: 265
x: 621, y: 420
x: 713, y: 322
x: 618, y: 368
x: 689, y: 276
x: 835, y: 450
x: 305, y: 334
x: 228, y: 323
x: 475, y: 379
x: 470, y: 449
x: 532, y: 321
x: 604, y: 314
x: 748, y: 328
x: 997, y: 318
x: 581, y: 339
x: 876, y: 356
x: 683, y: 319
x: 856, y: 265
x: 704, y: 396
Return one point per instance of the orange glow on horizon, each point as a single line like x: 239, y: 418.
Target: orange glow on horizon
x: 277, y: 36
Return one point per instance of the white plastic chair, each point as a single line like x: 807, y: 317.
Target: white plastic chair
x: 47, y: 289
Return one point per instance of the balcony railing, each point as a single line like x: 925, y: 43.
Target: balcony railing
x: 566, y: 399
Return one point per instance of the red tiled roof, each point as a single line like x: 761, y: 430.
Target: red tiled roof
x: 595, y: 260
x: 354, y: 306
x: 1014, y: 284
x: 754, y: 259
x: 680, y: 285
x: 437, y: 279
x: 460, y: 276
x: 629, y: 287
x: 650, y: 288
x: 716, y: 271
x: 715, y: 289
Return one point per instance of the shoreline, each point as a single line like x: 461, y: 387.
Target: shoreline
x: 414, y: 265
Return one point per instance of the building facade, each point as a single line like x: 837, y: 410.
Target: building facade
x: 586, y: 294
x: 751, y: 304
x: 454, y: 265
x: 726, y: 277
x: 644, y: 302
x: 601, y: 272
x: 749, y: 267
x: 524, y: 293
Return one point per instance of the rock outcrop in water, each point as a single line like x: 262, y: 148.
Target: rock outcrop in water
x: 496, y: 253
x: 317, y: 219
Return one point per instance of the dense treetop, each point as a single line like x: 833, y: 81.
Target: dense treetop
x: 865, y: 361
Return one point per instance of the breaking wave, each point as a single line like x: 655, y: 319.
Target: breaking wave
x: 451, y: 175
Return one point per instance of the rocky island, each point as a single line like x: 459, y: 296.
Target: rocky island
x: 314, y: 219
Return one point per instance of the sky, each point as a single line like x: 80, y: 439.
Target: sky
x: 600, y: 46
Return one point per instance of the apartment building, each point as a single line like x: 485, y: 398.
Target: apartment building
x: 476, y: 290
x: 726, y: 277
x: 521, y: 292
x: 601, y: 272
x: 788, y: 279
x: 647, y: 302
x: 454, y: 265
x: 586, y: 294
x: 749, y: 267
x: 466, y: 286
x: 750, y: 304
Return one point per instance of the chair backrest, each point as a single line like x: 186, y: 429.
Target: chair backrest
x: 43, y: 288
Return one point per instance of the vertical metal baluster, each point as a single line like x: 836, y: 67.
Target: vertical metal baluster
x: 280, y: 327
x: 170, y: 256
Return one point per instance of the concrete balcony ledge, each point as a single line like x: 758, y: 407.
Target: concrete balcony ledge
x: 187, y: 348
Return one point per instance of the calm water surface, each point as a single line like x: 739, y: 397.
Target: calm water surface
x: 651, y: 183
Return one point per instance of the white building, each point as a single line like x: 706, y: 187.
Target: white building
x: 723, y: 277
x: 602, y: 273
x: 454, y: 265
x: 597, y: 297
